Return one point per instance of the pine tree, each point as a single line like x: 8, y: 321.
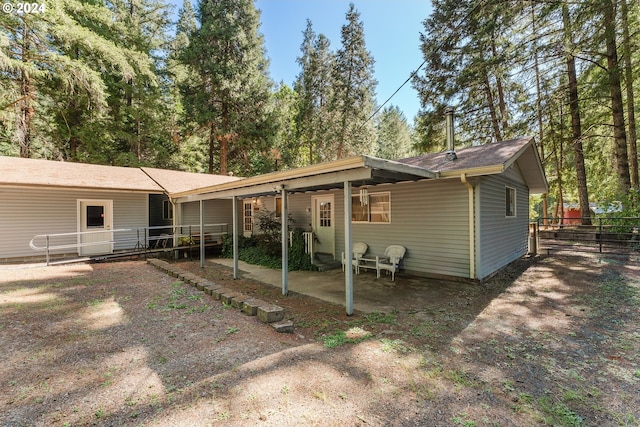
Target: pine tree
x: 231, y: 94
x: 354, y: 90
x: 393, y: 134
x: 314, y: 88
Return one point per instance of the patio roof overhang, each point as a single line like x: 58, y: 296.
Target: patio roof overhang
x: 359, y: 170
x: 340, y: 174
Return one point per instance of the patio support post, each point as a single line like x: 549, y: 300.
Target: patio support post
x: 235, y: 237
x: 201, y: 233
x: 348, y: 249
x: 472, y: 231
x: 285, y: 243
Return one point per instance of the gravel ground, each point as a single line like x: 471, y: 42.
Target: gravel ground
x: 550, y: 341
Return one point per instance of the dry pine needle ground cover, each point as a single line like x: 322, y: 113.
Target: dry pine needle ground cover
x: 550, y: 342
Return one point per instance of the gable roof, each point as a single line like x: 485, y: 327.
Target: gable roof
x: 486, y: 159
x: 177, y: 181
x: 22, y: 172
x: 48, y: 173
x: 489, y: 159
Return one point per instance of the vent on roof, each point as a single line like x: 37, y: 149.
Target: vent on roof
x: 450, y: 154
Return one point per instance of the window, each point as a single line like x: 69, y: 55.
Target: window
x: 376, y: 210
x: 248, y: 217
x: 510, y: 201
x: 325, y: 214
x: 278, y: 207
x: 95, y: 216
x: 167, y: 210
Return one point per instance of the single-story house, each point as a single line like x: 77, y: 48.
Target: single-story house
x: 42, y: 197
x: 462, y: 214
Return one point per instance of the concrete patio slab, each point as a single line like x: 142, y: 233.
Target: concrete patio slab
x: 370, y: 294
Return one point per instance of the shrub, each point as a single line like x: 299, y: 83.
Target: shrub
x: 251, y: 250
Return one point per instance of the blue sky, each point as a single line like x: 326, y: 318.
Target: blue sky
x: 392, y: 33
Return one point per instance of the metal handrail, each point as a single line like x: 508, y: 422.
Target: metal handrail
x: 142, y: 242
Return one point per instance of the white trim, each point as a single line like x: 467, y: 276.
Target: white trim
x: 245, y: 232
x: 369, y: 208
x: 108, y: 223
x: 515, y: 202
x: 315, y: 219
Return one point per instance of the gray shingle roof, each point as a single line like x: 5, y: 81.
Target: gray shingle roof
x: 47, y: 173
x: 481, y: 156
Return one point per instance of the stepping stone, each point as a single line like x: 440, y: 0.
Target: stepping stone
x: 217, y: 293
x: 250, y: 306
x: 227, y: 297
x: 270, y: 313
x: 284, y: 326
x: 210, y: 288
x: 238, y: 302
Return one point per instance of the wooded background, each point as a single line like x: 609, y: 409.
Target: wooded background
x: 117, y: 82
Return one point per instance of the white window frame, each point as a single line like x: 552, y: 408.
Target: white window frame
x: 167, y: 207
x: 247, y: 226
x: 510, y: 195
x: 355, y: 198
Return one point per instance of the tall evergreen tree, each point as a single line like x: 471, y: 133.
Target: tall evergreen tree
x: 314, y: 88
x: 576, y: 124
x: 354, y: 90
x: 138, y: 106
x: 230, y: 96
x: 393, y: 134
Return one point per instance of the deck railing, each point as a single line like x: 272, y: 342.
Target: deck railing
x: 135, y: 240
x: 605, y: 234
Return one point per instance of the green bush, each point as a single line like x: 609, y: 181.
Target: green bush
x: 252, y: 250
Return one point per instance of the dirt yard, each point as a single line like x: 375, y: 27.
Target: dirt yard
x: 555, y: 341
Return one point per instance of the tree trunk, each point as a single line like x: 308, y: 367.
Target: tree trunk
x: 492, y: 109
x: 212, y: 142
x: 576, y: 127
x: 545, y: 197
x: 631, y: 116
x: 224, y: 153
x: 27, y: 111
x: 615, y: 89
x: 501, y: 102
x: 559, y: 211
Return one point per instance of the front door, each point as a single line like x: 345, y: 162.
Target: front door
x: 95, y: 221
x: 324, y: 224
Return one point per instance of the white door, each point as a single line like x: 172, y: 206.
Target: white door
x: 324, y: 224
x: 95, y: 221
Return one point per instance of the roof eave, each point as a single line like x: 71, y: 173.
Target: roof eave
x: 337, y: 165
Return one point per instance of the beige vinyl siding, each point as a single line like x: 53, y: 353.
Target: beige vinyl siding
x: 428, y: 218
x: 26, y: 212
x: 217, y: 211
x: 501, y: 239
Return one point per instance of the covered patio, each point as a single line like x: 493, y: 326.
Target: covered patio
x: 370, y: 294
x: 338, y: 175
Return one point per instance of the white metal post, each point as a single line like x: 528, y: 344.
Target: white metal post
x: 235, y: 237
x: 202, y: 254
x: 348, y: 249
x: 285, y: 247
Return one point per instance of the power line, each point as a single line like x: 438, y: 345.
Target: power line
x: 413, y: 74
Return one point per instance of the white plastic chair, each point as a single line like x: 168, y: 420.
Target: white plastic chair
x: 390, y: 261
x: 359, y: 249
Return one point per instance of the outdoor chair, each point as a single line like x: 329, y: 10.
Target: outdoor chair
x: 359, y: 249
x: 390, y: 261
